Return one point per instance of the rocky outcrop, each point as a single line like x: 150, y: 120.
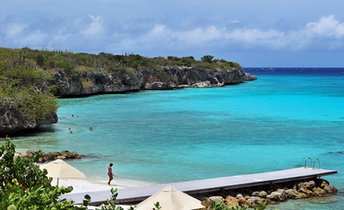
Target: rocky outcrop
x: 259, y: 199
x: 163, y: 78
x: 50, y: 156
x: 13, y: 120
x: 95, y: 82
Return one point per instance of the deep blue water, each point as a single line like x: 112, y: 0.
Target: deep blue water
x: 165, y: 136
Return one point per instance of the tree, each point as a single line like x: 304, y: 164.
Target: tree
x: 207, y: 58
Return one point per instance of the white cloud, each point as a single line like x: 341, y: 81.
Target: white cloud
x: 252, y: 37
x: 326, y: 33
x: 327, y: 29
x: 14, y: 29
x: 95, y: 27
x: 327, y: 26
x: 234, y: 21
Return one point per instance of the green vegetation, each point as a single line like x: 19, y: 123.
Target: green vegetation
x: 26, y: 67
x: 24, y: 186
x: 41, y: 62
x: 28, y: 104
x: 22, y: 87
x: 29, y: 78
x: 222, y: 205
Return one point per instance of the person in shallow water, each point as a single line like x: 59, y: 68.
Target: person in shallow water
x: 70, y: 130
x: 110, y: 174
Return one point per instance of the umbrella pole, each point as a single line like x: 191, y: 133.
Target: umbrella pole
x: 57, y: 181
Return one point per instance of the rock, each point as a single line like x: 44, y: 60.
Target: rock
x: 238, y: 196
x: 96, y: 82
x: 250, y: 77
x: 306, y: 185
x: 50, y: 156
x: 319, y: 191
x: 18, y: 154
x: 247, y: 197
x: 209, y: 202
x: 253, y: 201
x: 279, y: 195
x: 262, y: 194
x: 292, y: 193
x: 301, y: 195
x: 206, y: 84
x: 255, y: 193
x: 243, y: 202
x: 160, y: 86
x: 306, y: 191
x: 216, y: 198
x: 61, y: 157
x: 231, y: 202
x: 330, y: 189
x: 162, y: 78
x: 13, y: 120
x: 324, y: 183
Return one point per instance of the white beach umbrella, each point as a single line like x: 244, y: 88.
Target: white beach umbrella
x: 62, y: 170
x: 170, y: 198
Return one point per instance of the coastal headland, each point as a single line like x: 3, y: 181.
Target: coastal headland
x: 30, y: 80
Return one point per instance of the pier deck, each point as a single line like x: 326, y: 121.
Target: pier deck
x: 137, y: 194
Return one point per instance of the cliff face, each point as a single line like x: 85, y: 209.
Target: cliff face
x: 97, y: 82
x: 12, y: 119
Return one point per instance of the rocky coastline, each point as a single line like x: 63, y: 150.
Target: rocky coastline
x: 97, y: 82
x: 12, y: 121
x: 259, y: 197
x: 93, y: 82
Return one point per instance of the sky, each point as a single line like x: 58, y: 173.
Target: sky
x: 255, y: 33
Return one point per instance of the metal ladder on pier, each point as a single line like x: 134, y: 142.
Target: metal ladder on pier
x: 312, y: 163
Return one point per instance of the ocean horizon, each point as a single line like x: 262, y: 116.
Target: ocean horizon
x: 273, y: 123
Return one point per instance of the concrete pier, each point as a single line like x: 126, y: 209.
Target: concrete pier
x: 137, y: 194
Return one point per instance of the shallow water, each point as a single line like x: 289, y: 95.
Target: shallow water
x: 165, y: 136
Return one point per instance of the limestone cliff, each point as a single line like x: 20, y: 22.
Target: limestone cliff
x: 13, y: 120
x: 98, y: 82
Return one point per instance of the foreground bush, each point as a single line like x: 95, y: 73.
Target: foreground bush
x: 24, y: 186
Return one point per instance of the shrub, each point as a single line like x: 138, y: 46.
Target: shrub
x: 207, y: 58
x: 24, y: 186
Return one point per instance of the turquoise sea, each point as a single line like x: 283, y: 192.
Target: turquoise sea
x: 269, y: 124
